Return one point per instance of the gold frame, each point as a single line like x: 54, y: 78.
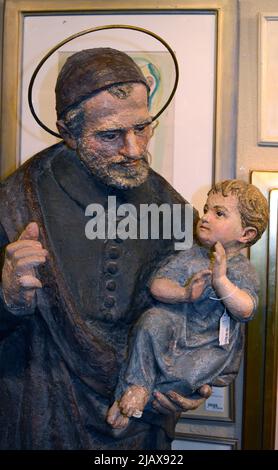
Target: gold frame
x: 227, y: 66
x: 262, y: 333
x: 225, y: 441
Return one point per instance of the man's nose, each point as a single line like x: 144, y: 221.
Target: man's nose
x: 132, y: 147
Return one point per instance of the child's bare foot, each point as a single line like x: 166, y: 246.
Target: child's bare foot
x: 115, y: 418
x: 134, y: 401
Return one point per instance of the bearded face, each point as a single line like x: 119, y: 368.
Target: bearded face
x: 115, y: 137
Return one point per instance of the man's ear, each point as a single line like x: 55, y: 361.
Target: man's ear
x: 66, y: 134
x: 248, y: 234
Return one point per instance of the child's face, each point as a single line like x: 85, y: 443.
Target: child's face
x: 221, y: 221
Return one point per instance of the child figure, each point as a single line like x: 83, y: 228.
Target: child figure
x: 195, y: 333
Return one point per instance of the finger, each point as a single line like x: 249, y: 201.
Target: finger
x: 163, y: 404
x: 184, y: 403
x: 205, y: 391
x: 31, y: 232
x: 217, y: 258
x: 205, y: 275
x: 201, y: 275
x: 30, y: 282
x: 219, y: 248
x: 205, y: 272
x: 13, y: 247
x: 29, y: 252
x: 29, y: 296
x: 26, y: 264
x: 198, y: 281
x: 160, y: 409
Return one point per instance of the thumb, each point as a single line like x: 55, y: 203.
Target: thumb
x: 31, y: 232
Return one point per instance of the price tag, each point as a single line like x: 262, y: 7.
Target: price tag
x: 224, y: 330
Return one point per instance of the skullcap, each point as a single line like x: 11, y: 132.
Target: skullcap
x: 90, y: 71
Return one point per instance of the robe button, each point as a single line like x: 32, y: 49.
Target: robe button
x: 110, y: 285
x: 114, y: 252
x: 109, y: 301
x: 112, y: 267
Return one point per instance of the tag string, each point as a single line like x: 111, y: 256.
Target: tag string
x: 226, y: 297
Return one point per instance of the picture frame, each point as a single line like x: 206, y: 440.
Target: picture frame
x: 219, y: 407
x: 184, y: 441
x: 260, y: 401
x: 226, y: 66
x: 267, y: 78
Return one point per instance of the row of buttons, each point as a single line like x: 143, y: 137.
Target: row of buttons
x: 112, y: 268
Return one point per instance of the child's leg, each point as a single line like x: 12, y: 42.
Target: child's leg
x: 130, y: 405
x: 115, y: 418
x: 137, y: 377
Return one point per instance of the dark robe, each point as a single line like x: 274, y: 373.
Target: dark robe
x: 59, y: 364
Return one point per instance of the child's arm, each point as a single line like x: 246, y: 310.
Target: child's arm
x: 170, y: 292
x: 237, y: 301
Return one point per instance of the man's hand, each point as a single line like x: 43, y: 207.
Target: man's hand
x: 172, y: 402
x: 19, y: 279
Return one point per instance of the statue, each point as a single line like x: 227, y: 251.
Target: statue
x: 65, y: 317
x: 187, y: 339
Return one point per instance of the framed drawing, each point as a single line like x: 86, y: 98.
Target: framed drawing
x: 184, y: 441
x: 268, y: 74
x: 204, y: 126
x: 219, y: 407
x: 262, y: 334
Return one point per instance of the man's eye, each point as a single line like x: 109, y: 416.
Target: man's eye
x: 140, y: 129
x: 108, y: 136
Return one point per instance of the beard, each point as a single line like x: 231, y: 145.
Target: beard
x: 121, y: 174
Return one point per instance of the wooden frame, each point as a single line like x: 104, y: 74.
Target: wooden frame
x: 206, y: 413
x: 201, y: 442
x: 267, y: 91
x: 227, y: 65
x: 262, y: 333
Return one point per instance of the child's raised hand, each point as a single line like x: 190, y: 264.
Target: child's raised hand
x: 197, y: 284
x: 219, y: 268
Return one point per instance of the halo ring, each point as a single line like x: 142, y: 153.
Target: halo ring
x: 91, y: 30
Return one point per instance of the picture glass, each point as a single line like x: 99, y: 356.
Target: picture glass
x: 184, y: 139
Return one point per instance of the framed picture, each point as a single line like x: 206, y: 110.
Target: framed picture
x: 260, y: 404
x: 268, y: 72
x: 202, y: 125
x: 220, y: 406
x: 184, y: 441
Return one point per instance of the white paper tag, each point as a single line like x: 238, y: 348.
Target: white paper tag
x: 216, y: 401
x: 224, y: 330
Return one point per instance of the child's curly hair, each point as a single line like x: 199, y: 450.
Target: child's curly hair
x: 252, y: 205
